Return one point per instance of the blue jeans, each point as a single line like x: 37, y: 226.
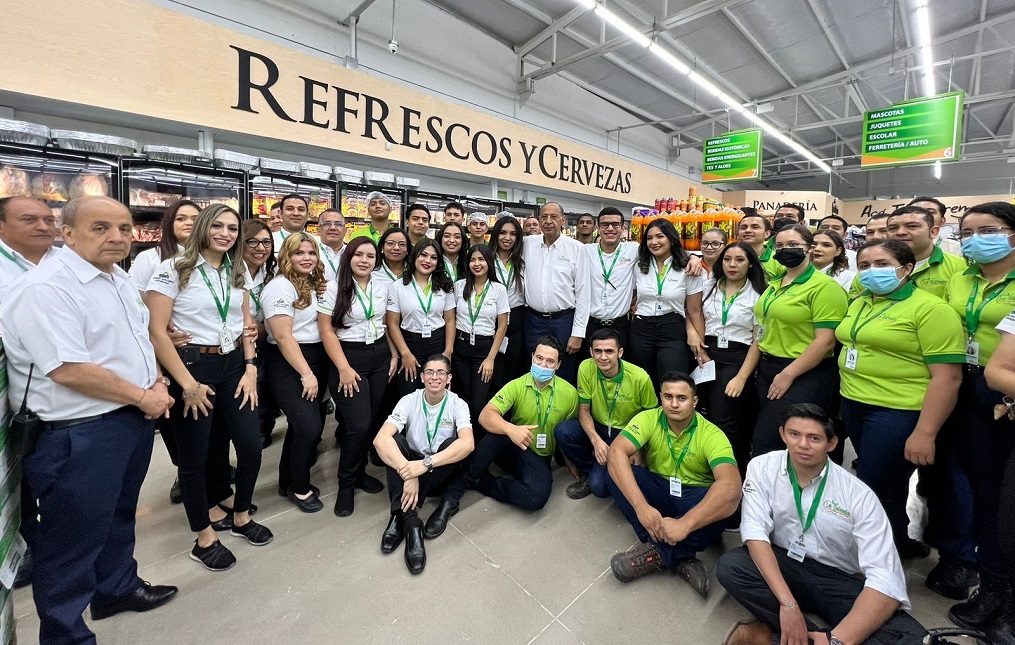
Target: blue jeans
x: 528, y: 487
x: 656, y: 490
x: 575, y: 444
x: 537, y: 326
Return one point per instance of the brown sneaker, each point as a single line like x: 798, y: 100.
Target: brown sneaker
x: 749, y: 632
x: 637, y: 562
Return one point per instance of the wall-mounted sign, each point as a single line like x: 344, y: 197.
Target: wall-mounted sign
x: 734, y: 156
x: 859, y: 211
x: 540, y: 201
x: 913, y: 132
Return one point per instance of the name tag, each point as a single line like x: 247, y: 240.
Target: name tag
x: 605, y: 298
x: 972, y: 352
x: 472, y: 338
x: 227, y: 341
x: 676, y: 487
x: 721, y: 341
x: 851, y: 355
x: 541, y: 441
x: 370, y: 335
x: 761, y: 332
x: 659, y: 307
x: 427, y: 330
x: 798, y: 550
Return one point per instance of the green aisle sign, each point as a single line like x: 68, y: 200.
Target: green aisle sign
x: 913, y: 132
x: 733, y: 156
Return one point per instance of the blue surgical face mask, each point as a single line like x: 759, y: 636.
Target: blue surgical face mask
x: 880, y: 280
x: 985, y: 249
x: 540, y: 374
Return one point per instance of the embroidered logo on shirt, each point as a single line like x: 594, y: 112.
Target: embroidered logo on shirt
x: 749, y: 487
x: 833, y: 507
x: 164, y: 278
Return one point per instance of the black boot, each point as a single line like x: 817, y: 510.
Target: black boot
x: 415, y: 552
x: 393, y: 534
x: 952, y: 578
x: 438, y: 521
x: 1003, y: 632
x: 343, y: 502
x: 985, y: 606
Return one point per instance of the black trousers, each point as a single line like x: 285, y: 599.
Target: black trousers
x: 658, y: 344
x: 516, y: 359
x: 428, y: 482
x: 620, y: 325
x: 222, y: 374
x: 267, y: 409
x: 538, y: 325
x: 466, y: 380
x: 818, y: 589
x: 421, y: 348
x: 819, y: 386
x: 362, y: 409
x: 305, y: 418
x: 736, y: 416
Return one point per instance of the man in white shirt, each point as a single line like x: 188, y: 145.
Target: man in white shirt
x: 417, y: 222
x: 586, y: 229
x: 275, y: 217
x: 531, y: 226
x: 422, y: 443
x: 27, y: 232
x: 96, y: 389
x: 331, y: 227
x: 557, y: 289
x: 612, y: 264
x: 938, y: 210
x: 816, y: 540
x: 295, y: 213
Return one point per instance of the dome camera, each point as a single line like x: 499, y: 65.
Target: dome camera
x: 393, y: 46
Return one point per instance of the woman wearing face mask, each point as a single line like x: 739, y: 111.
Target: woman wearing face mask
x: 797, y: 317
x: 983, y: 295
x: 829, y: 257
x: 712, y: 243
x: 900, y: 370
x: 506, y: 242
x: 451, y: 237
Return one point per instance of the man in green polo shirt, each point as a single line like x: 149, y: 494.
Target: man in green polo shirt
x: 756, y: 231
x: 610, y: 392
x: 677, y: 502
x: 379, y: 208
x: 523, y: 446
x: 915, y: 226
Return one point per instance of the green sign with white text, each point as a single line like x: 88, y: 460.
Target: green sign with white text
x: 735, y: 156
x: 913, y: 132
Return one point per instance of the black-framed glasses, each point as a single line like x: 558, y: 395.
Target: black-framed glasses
x: 611, y: 225
x: 440, y: 373
x: 253, y: 244
x: 711, y: 245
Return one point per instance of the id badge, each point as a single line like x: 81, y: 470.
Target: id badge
x: 676, y: 487
x: 427, y: 330
x: 371, y: 334
x: 721, y: 341
x: 798, y: 550
x: 541, y: 441
x: 227, y: 342
x: 659, y: 307
x: 761, y: 332
x: 472, y: 338
x: 972, y: 352
x: 851, y: 355
x: 605, y: 298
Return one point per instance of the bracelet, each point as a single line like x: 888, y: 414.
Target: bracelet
x: 303, y: 378
x: 140, y: 398
x: 250, y: 361
x: 197, y: 390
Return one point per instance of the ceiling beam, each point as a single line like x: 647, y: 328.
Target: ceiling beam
x: 551, y: 29
x: 357, y: 12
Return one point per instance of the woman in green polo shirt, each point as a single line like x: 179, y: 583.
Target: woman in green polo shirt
x: 797, y: 317
x: 983, y: 295
x: 900, y: 370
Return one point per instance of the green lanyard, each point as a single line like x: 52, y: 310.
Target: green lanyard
x: 727, y: 307
x: 541, y: 419
x: 327, y: 257
x: 505, y: 279
x: 857, y: 325
x: 14, y: 260
x: 255, y: 295
x: 368, y: 313
x: 661, y: 279
x: 616, y: 256
x: 451, y: 268
x: 419, y: 296
x: 770, y: 297
x: 669, y: 442
x: 973, y: 315
x: 431, y: 435
x: 390, y: 274
x: 281, y: 233
x: 798, y: 494
x: 616, y: 394
x: 480, y: 299
x: 227, y: 294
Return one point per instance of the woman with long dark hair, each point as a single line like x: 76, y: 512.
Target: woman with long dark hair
x: 451, y: 239
x: 259, y: 256
x: 506, y: 243
x: 830, y: 258
x: 392, y: 250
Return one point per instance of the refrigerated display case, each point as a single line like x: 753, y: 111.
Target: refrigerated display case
x: 436, y: 203
x: 353, y: 198
x: 478, y: 204
x: 312, y: 181
x: 521, y: 210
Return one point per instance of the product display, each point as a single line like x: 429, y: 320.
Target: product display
x: 691, y: 217
x: 353, y: 198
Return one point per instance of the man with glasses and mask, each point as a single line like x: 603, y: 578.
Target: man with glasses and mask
x: 331, y: 228
x: 612, y: 264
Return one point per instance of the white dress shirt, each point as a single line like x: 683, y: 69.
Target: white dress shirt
x: 495, y: 304
x: 516, y: 295
x: 850, y: 531
x: 844, y: 278
x: 13, y: 265
x: 740, y: 320
x: 331, y: 260
x: 68, y: 311
x: 384, y: 276
x: 613, y: 300
x: 277, y: 298
x: 143, y: 267
x: 194, y: 308
x: 408, y: 415
x: 404, y: 299
x: 279, y: 236
x: 677, y: 285
x: 359, y: 327
x: 557, y: 278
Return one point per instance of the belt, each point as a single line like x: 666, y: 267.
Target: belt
x: 551, y: 315
x: 973, y: 369
x: 211, y: 349
x: 466, y: 337
x: 73, y: 422
x: 607, y: 322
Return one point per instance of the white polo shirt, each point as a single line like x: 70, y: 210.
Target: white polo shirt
x: 68, y: 311
x: 418, y: 425
x: 384, y: 275
x: 144, y: 265
x: 506, y: 275
x: 405, y: 299
x: 255, y: 286
x: 557, y: 278
x: 493, y: 304
x: 850, y: 531
x: 740, y: 319
x: 844, y: 278
x: 279, y: 236
x: 277, y: 298
x: 677, y: 285
x: 613, y: 300
x: 331, y: 260
x: 194, y: 308
x: 13, y: 265
x: 360, y: 327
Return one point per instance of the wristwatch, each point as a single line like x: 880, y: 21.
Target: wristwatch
x: 832, y: 640
x: 164, y: 380
x: 428, y: 462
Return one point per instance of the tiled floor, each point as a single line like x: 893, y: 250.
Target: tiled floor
x: 498, y: 575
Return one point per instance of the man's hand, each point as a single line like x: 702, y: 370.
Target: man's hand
x: 410, y: 494
x: 574, y: 343
x: 412, y: 470
x: 652, y: 520
x: 600, y: 449
x: 521, y: 436
x: 694, y: 266
x: 792, y: 626
x: 674, y: 531
x: 156, y: 401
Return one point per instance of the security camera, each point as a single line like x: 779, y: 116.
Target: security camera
x: 393, y: 46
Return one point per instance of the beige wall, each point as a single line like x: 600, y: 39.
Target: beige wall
x: 816, y: 204
x: 859, y: 211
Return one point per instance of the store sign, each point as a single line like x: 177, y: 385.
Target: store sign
x: 859, y: 211
x: 735, y: 156
x: 816, y: 204
x: 129, y: 61
x: 913, y: 132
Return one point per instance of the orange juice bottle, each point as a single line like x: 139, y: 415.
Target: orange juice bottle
x: 691, y: 239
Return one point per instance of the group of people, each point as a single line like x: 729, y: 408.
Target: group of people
x: 470, y: 360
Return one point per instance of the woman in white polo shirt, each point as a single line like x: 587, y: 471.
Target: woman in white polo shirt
x: 393, y: 250
x: 259, y: 256
x: 202, y: 291
x: 351, y: 324
x: 421, y: 313
x: 451, y: 238
x: 296, y: 362
x: 506, y: 242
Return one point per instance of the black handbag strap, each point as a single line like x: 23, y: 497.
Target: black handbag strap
x: 24, y: 400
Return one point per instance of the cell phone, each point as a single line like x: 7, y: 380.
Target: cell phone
x: 189, y: 354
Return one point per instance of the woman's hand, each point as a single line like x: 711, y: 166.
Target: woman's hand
x: 698, y: 346
x: 486, y: 370
x: 392, y: 367
x: 310, y: 386
x: 248, y: 388
x: 410, y: 366
x: 735, y: 387
x: 780, y: 385
x: 348, y: 381
x: 197, y: 400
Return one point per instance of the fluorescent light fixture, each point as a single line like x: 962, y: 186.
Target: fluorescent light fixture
x: 622, y: 25
x: 926, y: 44
x: 937, y: 169
x: 588, y: 4
x: 704, y: 83
x: 669, y: 58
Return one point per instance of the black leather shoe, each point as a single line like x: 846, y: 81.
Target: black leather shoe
x: 283, y: 492
x: 910, y: 549
x: 393, y: 534
x: 144, y: 598
x: 369, y: 484
x: 175, y: 496
x: 952, y: 579
x: 311, y: 504
x: 1003, y: 632
x: 343, y: 502
x: 981, y: 610
x: 415, y: 552
x: 438, y: 520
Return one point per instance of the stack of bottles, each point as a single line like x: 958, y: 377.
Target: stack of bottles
x: 691, y: 217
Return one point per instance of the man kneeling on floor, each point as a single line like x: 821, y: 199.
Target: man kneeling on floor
x: 816, y: 540
x: 689, y: 484
x: 428, y: 433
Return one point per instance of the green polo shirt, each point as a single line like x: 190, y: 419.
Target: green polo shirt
x: 896, y: 337
x: 526, y: 402
x: 709, y: 447
x: 772, y: 268
x: 368, y: 231
x: 626, y: 394
x: 789, y: 315
x: 972, y: 282
x: 931, y: 277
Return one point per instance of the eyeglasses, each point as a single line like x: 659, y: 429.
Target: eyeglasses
x: 439, y: 373
x: 791, y: 245
x: 611, y: 225
x: 332, y: 225
x: 253, y: 244
x: 711, y: 245
x: 395, y: 245
x: 986, y: 230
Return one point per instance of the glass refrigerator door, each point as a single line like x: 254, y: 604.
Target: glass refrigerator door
x: 354, y: 206
x: 489, y: 207
x: 436, y: 203
x: 266, y: 190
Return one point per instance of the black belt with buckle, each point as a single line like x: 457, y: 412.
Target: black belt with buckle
x: 974, y: 369
x: 606, y: 322
x: 552, y: 315
x: 78, y: 421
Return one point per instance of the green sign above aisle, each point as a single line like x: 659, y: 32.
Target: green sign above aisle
x: 913, y: 132
x: 735, y: 156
